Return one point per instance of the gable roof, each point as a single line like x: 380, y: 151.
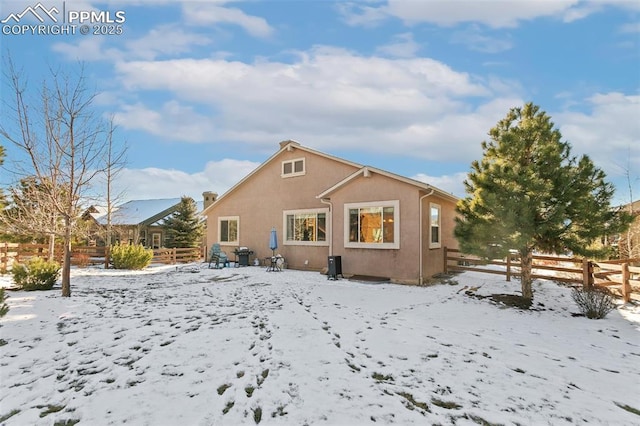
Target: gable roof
x: 136, y: 212
x: 288, y: 145
x: 367, y: 170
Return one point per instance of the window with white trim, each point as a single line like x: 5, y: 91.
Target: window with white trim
x: 228, y: 229
x: 306, y: 227
x: 294, y: 167
x: 372, y: 225
x: 434, y: 228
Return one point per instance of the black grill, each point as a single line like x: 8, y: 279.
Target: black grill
x: 242, y: 256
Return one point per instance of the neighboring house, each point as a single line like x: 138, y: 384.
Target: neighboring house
x: 380, y: 223
x: 629, y: 242
x: 135, y: 222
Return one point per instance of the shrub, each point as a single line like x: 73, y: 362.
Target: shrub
x: 36, y: 274
x: 4, y: 308
x: 130, y: 256
x: 81, y: 259
x: 594, y: 302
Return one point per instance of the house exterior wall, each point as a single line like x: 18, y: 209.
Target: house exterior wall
x: 629, y: 241
x: 433, y: 257
x: 259, y: 203
x: 400, y: 264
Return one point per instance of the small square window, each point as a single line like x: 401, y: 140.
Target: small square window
x: 292, y: 168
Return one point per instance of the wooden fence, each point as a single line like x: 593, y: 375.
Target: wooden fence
x: 83, y: 256
x: 622, y: 277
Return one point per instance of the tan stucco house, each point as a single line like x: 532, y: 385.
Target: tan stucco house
x: 379, y: 223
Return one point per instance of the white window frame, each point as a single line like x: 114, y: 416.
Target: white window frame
x: 396, y: 224
x: 286, y: 213
x: 437, y: 244
x: 293, y: 168
x: 228, y: 218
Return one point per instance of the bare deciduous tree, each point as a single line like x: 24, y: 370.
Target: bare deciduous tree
x: 630, y: 241
x: 2, y: 199
x: 114, y: 164
x: 63, y: 142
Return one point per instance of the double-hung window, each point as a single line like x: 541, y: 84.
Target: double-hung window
x: 372, y: 225
x: 306, y: 227
x: 292, y: 168
x: 434, y: 229
x: 228, y: 229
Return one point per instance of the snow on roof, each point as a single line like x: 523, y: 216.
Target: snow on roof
x: 136, y: 211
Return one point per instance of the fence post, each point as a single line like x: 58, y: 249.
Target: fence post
x: 5, y: 264
x: 586, y: 274
x: 508, y: 266
x: 173, y: 256
x: 626, y: 286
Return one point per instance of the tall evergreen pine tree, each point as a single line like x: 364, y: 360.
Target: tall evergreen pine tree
x: 184, y: 228
x: 528, y: 193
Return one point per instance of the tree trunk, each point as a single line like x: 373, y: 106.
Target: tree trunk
x: 526, y: 258
x: 66, y: 266
x: 109, y: 232
x: 52, y: 247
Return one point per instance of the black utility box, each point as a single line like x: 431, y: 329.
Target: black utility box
x: 335, y: 267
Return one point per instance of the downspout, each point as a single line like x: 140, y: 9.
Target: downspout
x: 421, y: 279
x: 328, y: 202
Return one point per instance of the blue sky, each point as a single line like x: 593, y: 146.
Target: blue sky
x: 203, y: 91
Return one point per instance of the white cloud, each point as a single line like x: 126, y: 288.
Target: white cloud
x: 630, y: 28
x: 493, y: 13
x: 200, y: 13
x: 402, y: 46
x: 172, y: 121
x: 165, y: 40
x: 477, y: 39
x: 88, y: 49
x: 329, y: 98
x: 609, y: 132
x: 217, y: 176
x: 448, y: 183
x: 359, y: 14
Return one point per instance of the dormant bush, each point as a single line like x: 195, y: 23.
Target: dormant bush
x: 594, y: 302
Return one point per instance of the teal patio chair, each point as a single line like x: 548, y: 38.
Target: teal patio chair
x: 217, y: 257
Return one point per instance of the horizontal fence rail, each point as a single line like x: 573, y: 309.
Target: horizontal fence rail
x: 621, y: 276
x: 83, y: 256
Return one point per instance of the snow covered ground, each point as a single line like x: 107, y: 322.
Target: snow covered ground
x: 168, y: 346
